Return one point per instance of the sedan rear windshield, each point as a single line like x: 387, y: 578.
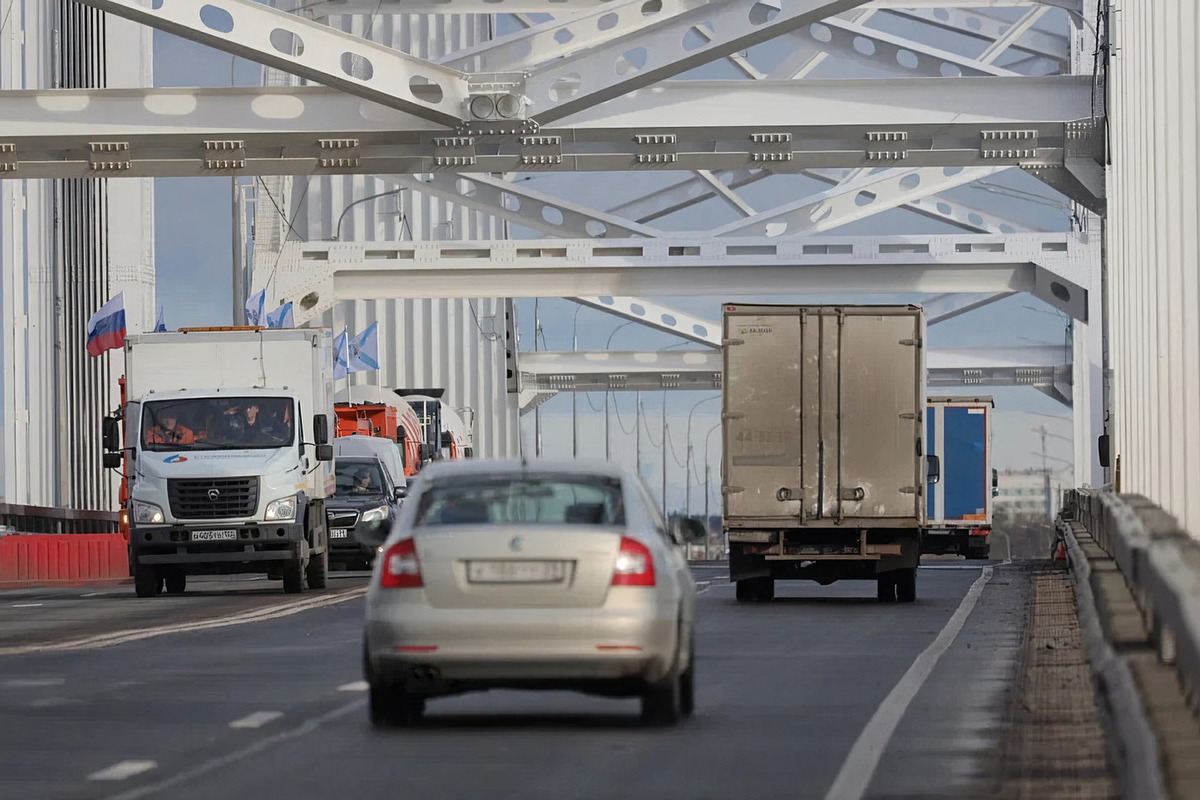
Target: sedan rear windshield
x: 549, y: 499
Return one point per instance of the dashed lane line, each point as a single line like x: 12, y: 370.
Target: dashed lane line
x: 256, y: 720
x: 356, y: 686
x: 27, y: 605
x: 121, y: 637
x: 122, y: 770
x: 246, y: 752
x: 859, y: 767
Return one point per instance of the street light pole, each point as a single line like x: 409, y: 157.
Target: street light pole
x: 687, y: 465
x: 575, y: 393
x: 607, y: 392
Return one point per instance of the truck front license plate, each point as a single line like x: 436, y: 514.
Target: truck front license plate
x: 210, y: 536
x: 339, y: 533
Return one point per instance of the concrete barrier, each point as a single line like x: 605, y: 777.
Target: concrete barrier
x: 76, y: 557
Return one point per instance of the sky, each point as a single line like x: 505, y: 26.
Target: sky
x: 193, y: 251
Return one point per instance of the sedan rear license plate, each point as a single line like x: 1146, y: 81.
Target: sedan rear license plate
x: 210, y: 536
x: 516, y: 571
x: 339, y: 533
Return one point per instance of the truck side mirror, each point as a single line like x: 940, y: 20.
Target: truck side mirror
x: 324, y: 452
x: 111, y: 433
x: 995, y: 483
x: 933, y: 469
x: 321, y: 432
x: 111, y: 460
x: 1102, y: 444
x: 688, y: 530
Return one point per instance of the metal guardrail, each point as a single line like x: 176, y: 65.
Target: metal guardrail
x: 1161, y: 565
x: 42, y: 519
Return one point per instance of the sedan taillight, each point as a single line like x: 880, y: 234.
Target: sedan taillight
x: 401, y: 568
x: 635, y: 564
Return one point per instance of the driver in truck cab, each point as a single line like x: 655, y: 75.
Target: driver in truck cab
x: 169, y: 431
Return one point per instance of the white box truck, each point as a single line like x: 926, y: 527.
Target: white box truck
x: 824, y: 466
x: 958, y: 430
x: 226, y: 452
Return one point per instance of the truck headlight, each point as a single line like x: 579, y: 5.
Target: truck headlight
x: 376, y: 514
x: 146, y: 513
x: 284, y: 508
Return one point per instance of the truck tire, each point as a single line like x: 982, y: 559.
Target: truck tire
x: 145, y: 580
x: 756, y: 590
x: 982, y: 551
x: 318, y: 570
x: 293, y: 577
x: 885, y: 587
x: 906, y: 585
x: 176, y: 582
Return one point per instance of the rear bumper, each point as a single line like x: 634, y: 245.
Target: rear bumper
x: 630, y: 637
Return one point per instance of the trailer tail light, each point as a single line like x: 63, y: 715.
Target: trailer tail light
x: 635, y: 564
x: 980, y: 531
x: 401, y: 567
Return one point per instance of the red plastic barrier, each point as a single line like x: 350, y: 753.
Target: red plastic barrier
x: 63, y: 557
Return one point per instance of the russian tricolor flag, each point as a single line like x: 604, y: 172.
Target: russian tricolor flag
x: 106, y: 328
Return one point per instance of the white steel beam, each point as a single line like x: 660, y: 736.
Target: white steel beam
x: 948, y: 306
x: 848, y: 202
x: 518, y: 8
x: 781, y: 125
x: 1056, y: 268
x: 357, y: 66
x: 1009, y: 37
x: 954, y: 212
x: 661, y: 49
x: 859, y: 43
x: 658, y: 316
x: 517, y: 203
x: 969, y: 22
x: 684, y: 194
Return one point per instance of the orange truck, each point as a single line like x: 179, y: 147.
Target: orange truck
x: 372, y: 411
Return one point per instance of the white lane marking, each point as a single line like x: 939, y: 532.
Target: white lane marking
x: 253, y: 749
x: 27, y: 605
x: 121, y: 637
x: 859, y: 767
x: 256, y: 720
x: 32, y: 683
x: 953, y: 566
x: 98, y: 594
x: 122, y: 770
x: 357, y: 686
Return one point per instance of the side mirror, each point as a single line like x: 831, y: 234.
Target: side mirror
x: 111, y: 433
x: 111, y: 460
x: 933, y: 469
x: 447, y: 439
x: 995, y: 483
x: 373, y: 534
x: 1102, y: 444
x: 401, y: 492
x: 321, y: 431
x: 688, y: 530
x: 324, y: 452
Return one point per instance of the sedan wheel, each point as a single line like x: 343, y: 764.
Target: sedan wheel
x: 687, y: 696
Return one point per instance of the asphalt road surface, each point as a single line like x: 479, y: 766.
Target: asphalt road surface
x: 235, y: 691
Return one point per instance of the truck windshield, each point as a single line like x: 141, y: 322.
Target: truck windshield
x: 217, y: 423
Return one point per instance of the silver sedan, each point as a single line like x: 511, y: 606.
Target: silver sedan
x: 537, y: 575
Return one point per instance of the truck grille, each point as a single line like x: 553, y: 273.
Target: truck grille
x: 213, y: 498
x: 341, y: 518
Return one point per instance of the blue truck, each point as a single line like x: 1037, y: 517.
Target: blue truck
x: 959, y: 508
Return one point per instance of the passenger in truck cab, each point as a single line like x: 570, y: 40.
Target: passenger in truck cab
x: 169, y: 431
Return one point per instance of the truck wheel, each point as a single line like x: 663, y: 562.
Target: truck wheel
x: 176, y: 582
x: 984, y: 551
x: 293, y: 577
x: 906, y: 585
x: 145, y: 580
x: 756, y: 590
x: 318, y: 569
x: 885, y: 587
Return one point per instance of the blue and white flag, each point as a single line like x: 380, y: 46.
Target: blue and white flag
x: 281, y: 317
x: 256, y: 308
x: 364, y: 350
x: 160, y: 323
x: 341, y: 356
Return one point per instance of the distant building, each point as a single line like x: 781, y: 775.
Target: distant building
x: 1023, y: 493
